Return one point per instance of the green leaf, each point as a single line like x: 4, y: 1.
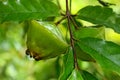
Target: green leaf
x: 100, y: 15
x: 106, y: 53
x: 87, y: 32
x: 90, y: 32
x: 82, y: 55
x: 19, y: 10
x: 87, y: 76
x: 111, y: 75
x: 75, y: 75
x: 68, y: 65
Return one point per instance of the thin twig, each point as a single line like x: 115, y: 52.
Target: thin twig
x: 75, y: 25
x: 58, y: 22
x: 71, y: 36
x: 105, y: 4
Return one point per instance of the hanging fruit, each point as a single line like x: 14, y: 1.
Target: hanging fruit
x: 44, y: 41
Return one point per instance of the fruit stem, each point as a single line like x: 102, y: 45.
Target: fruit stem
x: 68, y: 14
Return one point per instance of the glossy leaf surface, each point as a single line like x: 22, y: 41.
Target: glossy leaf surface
x: 100, y: 15
x: 75, y: 75
x: 90, y: 32
x: 87, y: 76
x: 68, y: 65
x: 87, y: 32
x: 107, y: 54
x: 19, y: 10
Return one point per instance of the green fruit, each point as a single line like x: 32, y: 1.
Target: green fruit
x: 44, y: 41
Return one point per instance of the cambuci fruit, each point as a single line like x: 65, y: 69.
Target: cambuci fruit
x: 44, y: 41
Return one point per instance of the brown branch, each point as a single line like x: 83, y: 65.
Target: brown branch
x: 75, y: 25
x: 71, y: 36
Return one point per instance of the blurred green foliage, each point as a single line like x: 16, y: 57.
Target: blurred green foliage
x: 14, y: 64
